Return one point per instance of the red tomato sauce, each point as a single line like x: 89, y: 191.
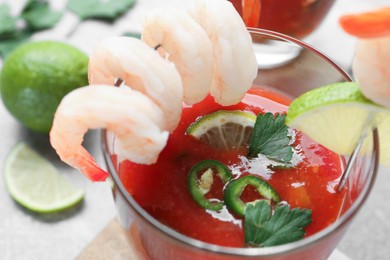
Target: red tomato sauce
x: 162, y: 190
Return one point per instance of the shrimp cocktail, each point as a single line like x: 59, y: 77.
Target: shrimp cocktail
x: 200, y: 145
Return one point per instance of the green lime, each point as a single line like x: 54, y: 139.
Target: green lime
x: 336, y: 115
x: 36, y: 76
x: 36, y: 184
x: 224, y: 129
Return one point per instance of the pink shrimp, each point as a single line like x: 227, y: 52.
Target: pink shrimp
x: 142, y: 69
x: 180, y: 39
x: 372, y: 55
x: 135, y: 120
x: 143, y: 111
x: 234, y: 60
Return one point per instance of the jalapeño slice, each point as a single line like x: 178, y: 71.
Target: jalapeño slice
x: 236, y: 187
x: 200, y: 181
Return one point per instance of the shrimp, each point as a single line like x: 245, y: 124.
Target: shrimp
x: 217, y: 58
x: 142, y: 69
x: 372, y: 54
x: 135, y: 120
x: 234, y: 61
x: 179, y: 38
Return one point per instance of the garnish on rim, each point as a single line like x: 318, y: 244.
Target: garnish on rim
x: 327, y: 114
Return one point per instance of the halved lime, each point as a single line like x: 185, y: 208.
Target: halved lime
x: 336, y: 115
x: 224, y: 129
x: 36, y: 184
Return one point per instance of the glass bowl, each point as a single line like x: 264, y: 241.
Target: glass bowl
x: 151, y: 239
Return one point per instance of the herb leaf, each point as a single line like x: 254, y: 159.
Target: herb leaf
x: 262, y: 228
x: 39, y: 16
x: 7, y: 22
x: 8, y: 44
x: 270, y: 138
x: 108, y: 10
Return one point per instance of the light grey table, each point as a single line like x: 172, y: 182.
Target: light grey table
x: 27, y: 236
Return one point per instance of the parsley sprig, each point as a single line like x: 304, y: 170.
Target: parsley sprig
x: 270, y: 138
x: 15, y: 30
x: 108, y: 10
x: 264, y: 228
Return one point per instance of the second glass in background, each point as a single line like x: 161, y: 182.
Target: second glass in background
x: 296, y: 18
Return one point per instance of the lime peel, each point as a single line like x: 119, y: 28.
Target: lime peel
x: 36, y: 76
x: 335, y: 116
x: 36, y: 184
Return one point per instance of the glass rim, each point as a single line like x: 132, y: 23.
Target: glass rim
x: 263, y: 251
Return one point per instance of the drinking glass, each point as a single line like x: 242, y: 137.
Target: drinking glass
x: 151, y: 239
x: 296, y: 18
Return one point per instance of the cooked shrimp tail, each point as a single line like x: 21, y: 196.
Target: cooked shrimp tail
x: 135, y: 120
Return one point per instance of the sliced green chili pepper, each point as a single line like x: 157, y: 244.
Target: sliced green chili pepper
x: 235, y: 188
x: 200, y: 181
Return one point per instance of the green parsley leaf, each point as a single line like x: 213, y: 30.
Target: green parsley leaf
x: 108, y: 10
x: 270, y: 138
x: 39, y: 16
x: 7, y: 22
x: 262, y: 228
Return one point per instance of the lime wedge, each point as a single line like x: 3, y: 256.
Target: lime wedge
x: 335, y: 117
x: 224, y: 129
x: 36, y: 184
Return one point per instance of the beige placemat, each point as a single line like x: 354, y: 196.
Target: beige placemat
x: 111, y: 243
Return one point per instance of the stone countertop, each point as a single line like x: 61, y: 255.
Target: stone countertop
x: 24, y: 235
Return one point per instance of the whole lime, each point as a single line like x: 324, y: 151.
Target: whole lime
x: 36, y: 76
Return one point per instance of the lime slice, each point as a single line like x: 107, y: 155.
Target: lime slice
x: 224, y: 129
x: 36, y: 184
x: 335, y: 117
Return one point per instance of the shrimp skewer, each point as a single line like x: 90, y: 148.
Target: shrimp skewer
x: 135, y: 120
x: 186, y: 44
x: 372, y: 54
x: 235, y: 65
x: 142, y: 69
x: 142, y: 112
